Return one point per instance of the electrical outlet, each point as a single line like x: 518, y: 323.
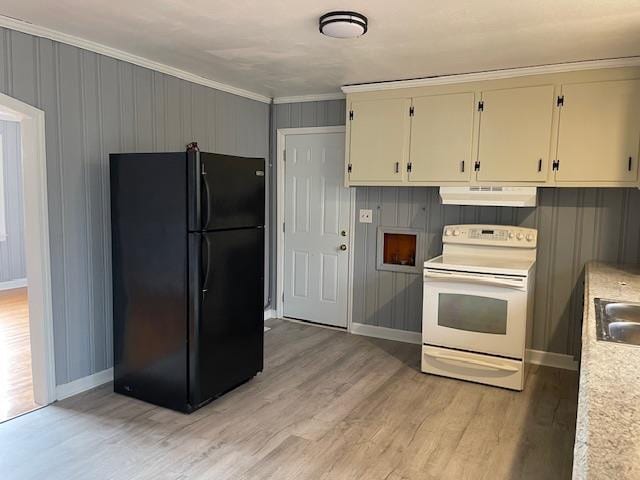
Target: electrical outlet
x: 366, y: 215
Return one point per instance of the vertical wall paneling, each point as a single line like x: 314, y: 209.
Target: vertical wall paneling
x: 575, y: 226
x: 96, y: 105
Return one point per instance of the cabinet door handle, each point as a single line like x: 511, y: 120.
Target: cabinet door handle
x: 630, y: 163
x: 539, y: 164
x: 397, y: 167
x: 462, y: 166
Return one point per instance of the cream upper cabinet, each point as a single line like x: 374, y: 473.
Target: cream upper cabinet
x: 515, y: 134
x: 599, y: 132
x: 441, y: 138
x: 379, y: 140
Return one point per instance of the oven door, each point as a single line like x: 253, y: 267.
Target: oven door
x: 476, y: 312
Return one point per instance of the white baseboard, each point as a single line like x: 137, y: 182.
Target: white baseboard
x: 386, y: 333
x: 537, y: 357
x: 11, y: 284
x: 270, y: 314
x: 551, y: 359
x: 83, y: 384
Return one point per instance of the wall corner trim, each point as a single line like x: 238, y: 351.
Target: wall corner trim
x: 38, y: 31
x: 320, y: 97
x: 536, y: 357
x: 83, y: 384
x: 11, y: 284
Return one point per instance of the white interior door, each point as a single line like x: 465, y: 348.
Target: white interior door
x: 316, y: 230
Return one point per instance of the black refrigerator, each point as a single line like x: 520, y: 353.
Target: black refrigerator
x: 188, y: 275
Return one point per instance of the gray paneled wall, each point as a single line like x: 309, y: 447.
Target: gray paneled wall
x: 575, y: 226
x: 12, y: 258
x: 96, y: 105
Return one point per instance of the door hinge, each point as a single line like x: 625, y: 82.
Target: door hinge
x: 555, y: 165
x: 284, y: 155
x: 560, y: 101
x: 481, y: 106
x: 476, y: 166
x: 349, y: 168
x: 282, y: 297
x: 411, y: 111
x: 283, y: 227
x: 409, y: 166
x: 350, y: 114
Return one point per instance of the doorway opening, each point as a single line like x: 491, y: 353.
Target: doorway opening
x: 27, y: 371
x: 16, y: 381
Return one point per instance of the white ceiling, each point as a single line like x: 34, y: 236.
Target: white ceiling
x: 273, y: 47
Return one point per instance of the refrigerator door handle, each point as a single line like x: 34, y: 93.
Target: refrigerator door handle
x: 206, y: 204
x: 207, y: 249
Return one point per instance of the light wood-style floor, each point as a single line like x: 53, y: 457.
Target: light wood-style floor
x: 16, y: 387
x: 328, y: 406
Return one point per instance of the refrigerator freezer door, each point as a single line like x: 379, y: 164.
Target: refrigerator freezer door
x: 225, y: 192
x: 226, y: 326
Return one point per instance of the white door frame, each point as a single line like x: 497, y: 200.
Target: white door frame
x: 280, y: 182
x: 36, y: 222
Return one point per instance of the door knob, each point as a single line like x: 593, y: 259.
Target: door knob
x: 343, y: 247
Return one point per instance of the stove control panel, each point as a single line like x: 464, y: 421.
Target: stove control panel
x: 490, y: 235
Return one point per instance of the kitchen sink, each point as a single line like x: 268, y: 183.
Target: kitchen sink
x: 618, y: 321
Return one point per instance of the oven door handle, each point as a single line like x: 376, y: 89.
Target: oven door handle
x: 472, y: 361
x: 492, y: 281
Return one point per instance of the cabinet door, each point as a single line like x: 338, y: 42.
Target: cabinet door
x: 515, y: 134
x: 379, y: 140
x: 599, y: 132
x: 441, y: 138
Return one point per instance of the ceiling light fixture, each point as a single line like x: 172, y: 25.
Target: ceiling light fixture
x: 343, y: 24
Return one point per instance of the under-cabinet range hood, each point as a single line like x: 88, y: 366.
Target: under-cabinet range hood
x: 490, y: 196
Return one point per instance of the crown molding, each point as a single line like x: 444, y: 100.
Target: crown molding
x: 38, y: 31
x: 310, y: 98
x: 494, y: 74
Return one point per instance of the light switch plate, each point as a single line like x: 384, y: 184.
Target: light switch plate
x: 366, y: 215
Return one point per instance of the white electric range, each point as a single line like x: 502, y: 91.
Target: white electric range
x: 478, y: 304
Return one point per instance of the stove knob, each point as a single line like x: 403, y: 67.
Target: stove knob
x: 519, y: 236
x: 456, y: 233
x: 529, y: 237
x: 447, y: 232
x: 511, y: 235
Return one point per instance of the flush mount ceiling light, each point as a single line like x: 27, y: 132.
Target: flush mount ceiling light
x: 343, y: 24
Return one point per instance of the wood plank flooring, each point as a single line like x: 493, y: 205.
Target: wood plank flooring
x: 329, y: 405
x: 16, y: 387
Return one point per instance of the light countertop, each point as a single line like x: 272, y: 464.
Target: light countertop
x: 608, y: 424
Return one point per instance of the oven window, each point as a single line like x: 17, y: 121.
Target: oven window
x: 472, y: 313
